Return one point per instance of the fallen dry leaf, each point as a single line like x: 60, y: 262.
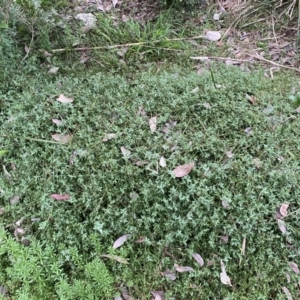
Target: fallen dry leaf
x: 126, y: 153
x: 108, y: 137
x: 14, y: 199
x: 62, y: 138
x: 162, y: 162
x: 229, y: 154
x: 287, y: 293
x: 294, y: 267
x: 60, y: 197
x: 63, y: 99
x: 114, y: 3
x: 213, y: 35
x: 248, y: 130
x: 169, y: 274
x: 257, y: 162
x: 281, y: 225
x: 152, y: 124
x: 225, y: 204
x: 53, y: 70
x: 57, y: 121
x: 116, y: 258
x: 283, y: 209
x: 182, y: 269
x: 198, y: 259
x: 223, y: 275
x: 224, y: 239
x: 121, y: 240
x: 158, y: 295
x: 183, y: 170
x: 140, y: 240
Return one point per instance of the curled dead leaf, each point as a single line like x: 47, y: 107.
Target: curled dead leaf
x: 294, y: 267
x: 63, y: 99
x: 283, y: 209
x: 287, y: 293
x: 198, y: 259
x: 223, y: 275
x: 182, y: 269
x: 183, y: 170
x: 121, y: 240
x: 60, y: 197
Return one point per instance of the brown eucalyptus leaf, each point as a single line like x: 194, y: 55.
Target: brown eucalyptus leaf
x: 60, y: 197
x: 183, y: 170
x: 169, y: 274
x: 182, y: 269
x: 140, y: 240
x: 126, y: 153
x: 162, y: 162
x: 223, y: 275
x: 116, y: 258
x: 248, y: 130
x: 62, y: 138
x: 213, y: 35
x: 57, y: 121
x: 152, y: 124
x: 287, y: 293
x: 108, y: 137
x: 63, y: 99
x: 229, y: 154
x: 281, y: 225
x: 158, y: 295
x: 121, y: 240
x: 198, y: 259
x: 283, y: 209
x: 53, y: 70
x: 114, y: 3
x: 14, y: 199
x: 294, y: 267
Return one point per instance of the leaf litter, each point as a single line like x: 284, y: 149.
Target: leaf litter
x: 121, y: 240
x: 198, y: 259
x: 63, y: 99
x: 182, y: 269
x: 223, y: 275
x: 183, y: 170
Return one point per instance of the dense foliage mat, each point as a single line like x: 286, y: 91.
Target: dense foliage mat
x: 238, y: 128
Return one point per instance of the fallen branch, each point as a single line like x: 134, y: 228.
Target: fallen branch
x: 246, y: 60
x: 127, y: 45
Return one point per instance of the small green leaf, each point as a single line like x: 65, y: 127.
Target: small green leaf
x: 2, y: 152
x: 3, y: 25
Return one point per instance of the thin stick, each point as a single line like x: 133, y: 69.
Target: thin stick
x: 272, y: 62
x: 218, y: 57
x: 245, y: 60
x: 30, y: 139
x: 127, y: 45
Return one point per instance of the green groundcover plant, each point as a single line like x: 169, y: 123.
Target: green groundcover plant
x: 90, y: 157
